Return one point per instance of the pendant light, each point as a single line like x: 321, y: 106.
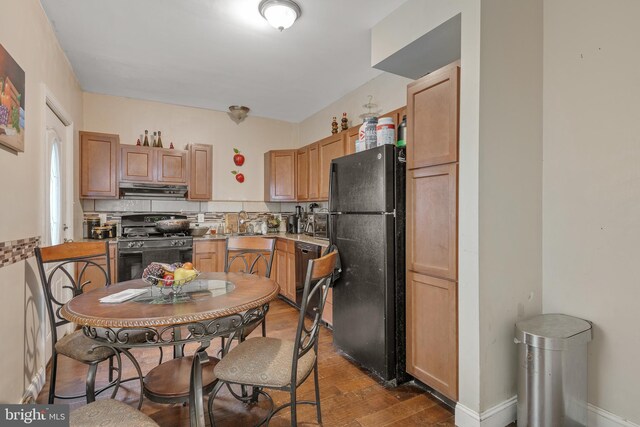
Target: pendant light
x: 280, y: 14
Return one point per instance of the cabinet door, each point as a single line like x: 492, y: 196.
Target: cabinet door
x: 201, y: 172
x: 291, y: 276
x: 93, y: 275
x: 282, y: 273
x: 432, y: 332
x: 314, y: 177
x: 137, y: 163
x: 327, y: 314
x: 352, y: 138
x: 432, y: 118
x: 330, y: 148
x: 98, y: 165
x: 208, y: 255
x: 302, y: 173
x: 113, y: 262
x: 171, y: 166
x: 432, y: 228
x: 280, y: 175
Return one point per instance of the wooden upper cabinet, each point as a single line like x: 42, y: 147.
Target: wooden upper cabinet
x: 280, y: 175
x: 432, y: 332
x: 432, y: 118
x: 137, y: 163
x: 432, y: 221
x: 171, y: 167
x: 201, y: 172
x: 98, y: 165
x: 396, y: 115
x: 329, y: 148
x: 302, y: 173
x: 314, y: 170
x: 351, y: 139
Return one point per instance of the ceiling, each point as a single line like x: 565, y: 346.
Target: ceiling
x: 216, y: 53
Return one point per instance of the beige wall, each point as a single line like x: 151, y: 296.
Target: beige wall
x: 592, y: 186
x: 510, y: 187
x: 28, y: 37
x: 388, y: 90
x: 182, y: 125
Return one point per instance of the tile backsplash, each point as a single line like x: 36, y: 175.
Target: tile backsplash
x: 91, y: 206
x: 112, y: 210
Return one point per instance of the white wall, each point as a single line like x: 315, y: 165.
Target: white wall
x: 591, y: 199
x: 182, y: 125
x: 26, y: 34
x: 388, y: 90
x: 510, y: 187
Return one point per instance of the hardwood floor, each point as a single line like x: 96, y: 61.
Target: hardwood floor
x: 349, y: 396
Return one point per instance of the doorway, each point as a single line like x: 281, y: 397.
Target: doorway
x: 58, y: 185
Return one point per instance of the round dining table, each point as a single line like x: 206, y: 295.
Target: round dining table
x: 213, y: 305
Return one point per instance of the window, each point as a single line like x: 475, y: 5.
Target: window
x: 55, y: 202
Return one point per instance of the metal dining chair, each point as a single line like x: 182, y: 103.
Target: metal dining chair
x: 274, y: 363
x: 109, y: 413
x: 54, y: 264
x: 253, y: 255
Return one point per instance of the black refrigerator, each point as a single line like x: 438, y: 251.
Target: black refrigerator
x: 367, y: 225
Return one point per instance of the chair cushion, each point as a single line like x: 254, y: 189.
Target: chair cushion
x: 79, y: 347
x: 109, y: 412
x: 263, y: 362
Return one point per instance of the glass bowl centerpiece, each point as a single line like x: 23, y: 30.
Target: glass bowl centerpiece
x: 169, y: 277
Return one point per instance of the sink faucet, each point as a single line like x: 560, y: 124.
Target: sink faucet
x: 242, y: 220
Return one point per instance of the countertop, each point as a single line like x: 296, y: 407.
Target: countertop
x: 295, y: 237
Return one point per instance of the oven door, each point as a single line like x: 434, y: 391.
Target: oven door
x: 131, y: 263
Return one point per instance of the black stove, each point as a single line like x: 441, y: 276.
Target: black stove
x: 141, y: 243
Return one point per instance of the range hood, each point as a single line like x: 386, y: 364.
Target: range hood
x: 130, y: 190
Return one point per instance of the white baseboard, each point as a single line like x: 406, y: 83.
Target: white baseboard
x: 37, y: 383
x: 504, y: 414
x: 601, y: 418
x: 498, y: 416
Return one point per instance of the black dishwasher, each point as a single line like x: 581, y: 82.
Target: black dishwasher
x: 304, y: 252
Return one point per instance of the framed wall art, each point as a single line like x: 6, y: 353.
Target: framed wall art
x: 12, y: 84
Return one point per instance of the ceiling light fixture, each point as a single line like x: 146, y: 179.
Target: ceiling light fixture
x: 238, y: 113
x: 280, y: 14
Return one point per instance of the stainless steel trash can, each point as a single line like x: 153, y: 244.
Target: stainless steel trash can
x: 552, y: 371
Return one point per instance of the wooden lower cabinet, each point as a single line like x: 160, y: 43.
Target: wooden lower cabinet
x: 285, y: 268
x: 208, y: 256
x: 432, y: 332
x: 93, y: 276
x: 327, y: 314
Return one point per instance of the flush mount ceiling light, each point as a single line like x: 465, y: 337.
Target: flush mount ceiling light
x: 238, y: 113
x: 280, y: 14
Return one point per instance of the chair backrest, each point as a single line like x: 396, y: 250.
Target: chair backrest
x: 66, y: 256
x: 320, y: 275
x: 249, y: 252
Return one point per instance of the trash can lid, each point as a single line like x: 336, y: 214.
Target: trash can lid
x: 553, y: 331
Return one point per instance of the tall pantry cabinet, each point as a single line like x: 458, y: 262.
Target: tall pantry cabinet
x: 432, y: 229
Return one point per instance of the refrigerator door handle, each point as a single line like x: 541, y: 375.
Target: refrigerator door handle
x: 332, y: 173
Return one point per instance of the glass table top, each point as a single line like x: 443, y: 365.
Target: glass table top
x: 198, y: 289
